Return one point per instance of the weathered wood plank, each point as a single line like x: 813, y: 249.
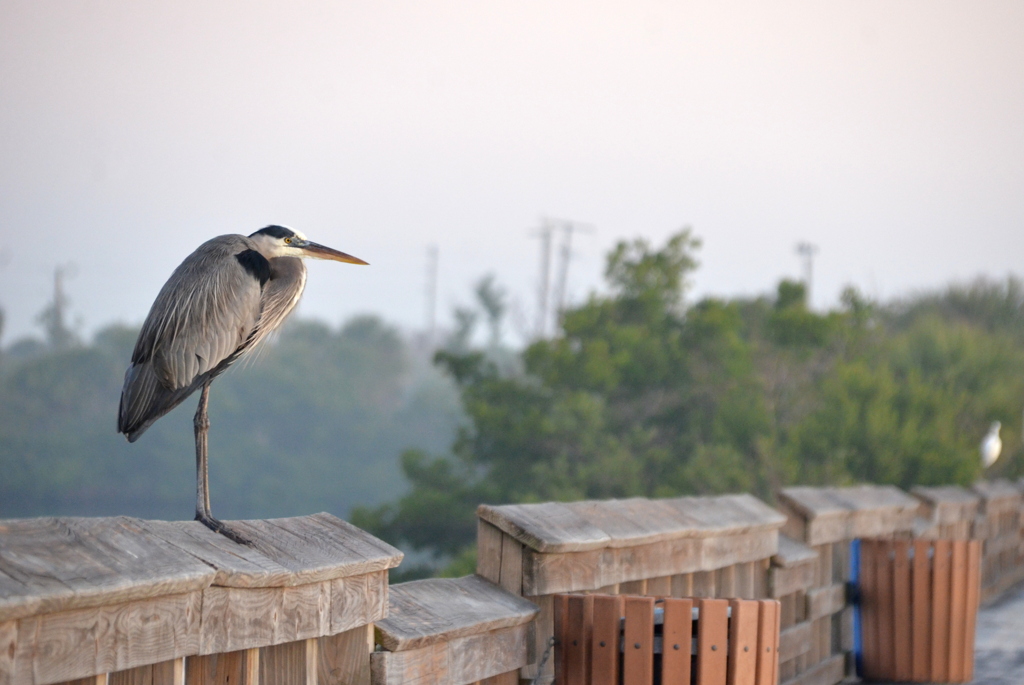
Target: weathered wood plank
x: 828, y: 672
x: 292, y: 663
x: 825, y: 601
x: 358, y: 600
x: 488, y: 551
x: 230, y: 668
x: 958, y: 610
x: 57, y: 564
x: 902, y: 626
x: 463, y: 660
x: 511, y: 565
x: 79, y: 643
x: 785, y: 581
x: 794, y: 641
x: 344, y: 659
x: 555, y: 528
x: 768, y: 643
x: 426, y: 611
x: 164, y: 673
x: 242, y: 618
x: 578, y: 630
x: 940, y: 611
x: 973, y: 595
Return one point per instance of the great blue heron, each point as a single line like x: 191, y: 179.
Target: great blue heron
x: 223, y: 300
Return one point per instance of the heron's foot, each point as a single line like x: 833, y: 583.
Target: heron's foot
x: 218, y: 526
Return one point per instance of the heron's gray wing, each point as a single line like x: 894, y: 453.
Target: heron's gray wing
x: 203, y: 315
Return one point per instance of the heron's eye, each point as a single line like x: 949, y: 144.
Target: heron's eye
x: 287, y: 241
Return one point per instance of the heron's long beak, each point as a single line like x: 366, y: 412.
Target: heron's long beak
x: 317, y: 251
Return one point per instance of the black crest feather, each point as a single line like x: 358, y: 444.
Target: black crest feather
x: 275, y: 232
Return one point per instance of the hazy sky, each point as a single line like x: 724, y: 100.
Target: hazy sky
x: 891, y: 134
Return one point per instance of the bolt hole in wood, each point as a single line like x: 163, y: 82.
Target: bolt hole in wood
x: 644, y: 627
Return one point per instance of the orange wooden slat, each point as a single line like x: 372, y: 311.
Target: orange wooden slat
x: 886, y: 647
x: 901, y: 610
x: 768, y: 642
x: 957, y: 610
x: 712, y: 641
x: 921, y: 618
x: 868, y: 612
x: 576, y: 661
x: 940, y: 612
x: 742, y: 663
x: 677, y: 637
x: 561, y: 606
x: 973, y: 597
x: 638, y: 656
x: 604, y: 645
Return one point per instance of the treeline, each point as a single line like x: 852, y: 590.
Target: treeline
x: 315, y: 422
x: 646, y: 393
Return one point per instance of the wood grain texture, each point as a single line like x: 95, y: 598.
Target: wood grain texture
x: 957, y: 610
x: 767, y: 666
x: 638, y: 641
x: 902, y: 625
x: 783, y: 581
x: 604, y: 648
x: 794, y: 641
x: 940, y: 611
x: 511, y: 577
x: 921, y: 618
x: 242, y: 618
x: 578, y: 627
x: 287, y: 664
x: 712, y: 642
x: 439, y: 609
x: 562, y: 629
x: 461, y: 661
x: 677, y: 637
x: 884, y: 609
x: 556, y: 528
x: 358, y: 600
x: 230, y: 668
x: 743, y: 627
x: 973, y: 597
x: 164, y: 673
x: 825, y: 601
x: 344, y: 659
x: 488, y: 551
x: 50, y: 565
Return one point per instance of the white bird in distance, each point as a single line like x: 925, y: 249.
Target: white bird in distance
x: 991, y: 445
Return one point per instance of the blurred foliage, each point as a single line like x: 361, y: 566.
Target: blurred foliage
x: 314, y: 422
x: 642, y: 393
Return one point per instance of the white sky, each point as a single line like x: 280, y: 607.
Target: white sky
x: 891, y: 134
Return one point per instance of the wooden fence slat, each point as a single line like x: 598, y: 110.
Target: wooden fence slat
x: 940, y: 612
x: 901, y: 610
x: 958, y: 610
x: 767, y: 643
x: 883, y: 576
x: 561, y: 611
x: 921, y: 619
x: 712, y: 641
x: 604, y: 649
x: 638, y: 659
x: 868, y: 609
x: 742, y: 664
x: 677, y: 637
x: 973, y: 597
x: 576, y: 638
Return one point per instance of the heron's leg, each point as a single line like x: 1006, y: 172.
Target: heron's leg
x: 201, y: 422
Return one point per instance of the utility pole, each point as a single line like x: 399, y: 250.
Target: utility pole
x: 545, y: 270
x: 807, y: 251
x: 433, y: 257
x: 568, y: 228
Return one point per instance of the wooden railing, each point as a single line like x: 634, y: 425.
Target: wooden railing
x: 126, y: 601
x: 684, y: 547
x: 132, y: 602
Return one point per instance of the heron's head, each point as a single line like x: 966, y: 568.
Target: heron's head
x: 281, y: 241
x: 994, y: 428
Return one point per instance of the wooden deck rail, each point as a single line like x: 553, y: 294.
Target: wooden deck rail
x: 947, y: 512
x: 826, y: 520
x: 132, y: 602
x: 453, y: 631
x: 683, y: 547
x: 998, y: 525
